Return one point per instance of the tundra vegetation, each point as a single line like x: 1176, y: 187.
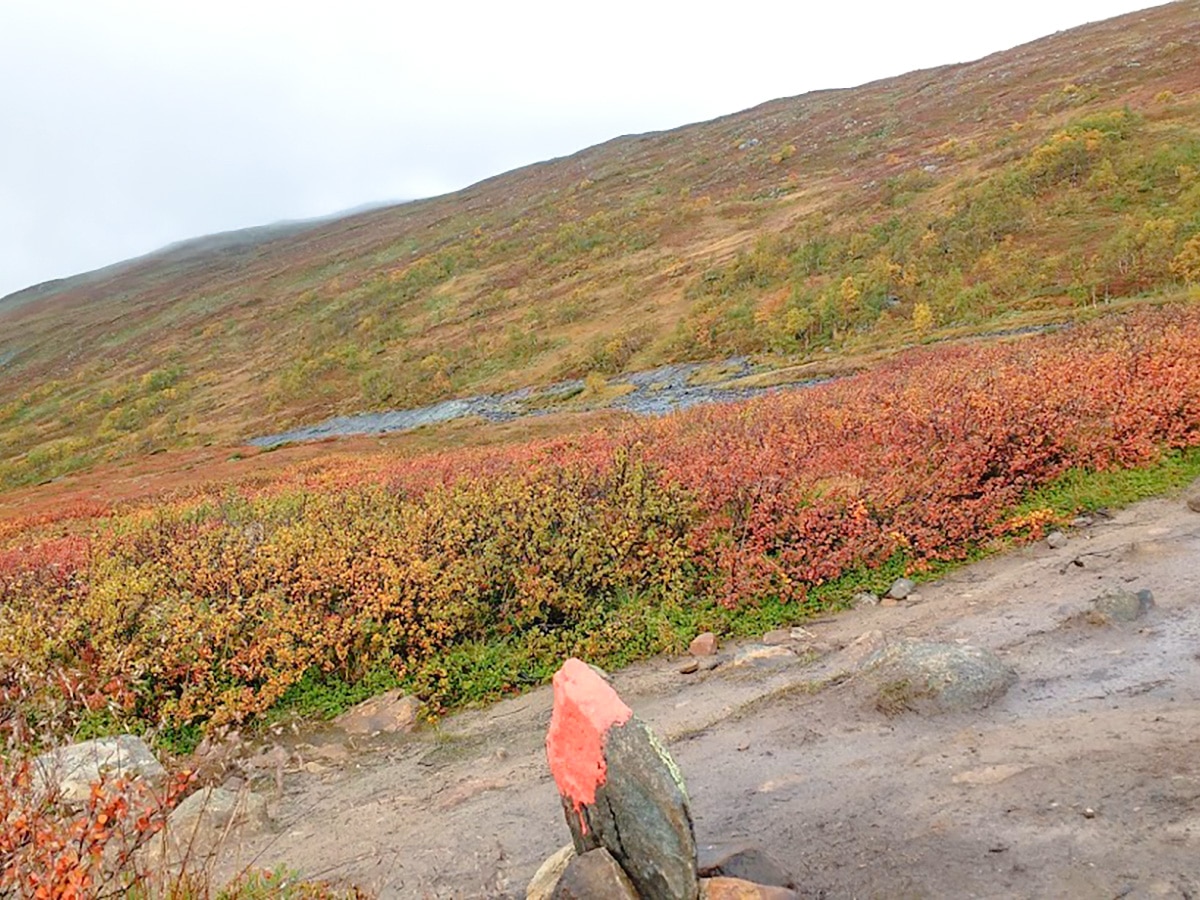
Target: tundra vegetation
x: 466, y: 575
x: 881, y: 223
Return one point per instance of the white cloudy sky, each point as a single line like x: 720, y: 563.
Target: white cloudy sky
x: 128, y: 124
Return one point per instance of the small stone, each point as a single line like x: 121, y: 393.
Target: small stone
x: 901, y: 588
x: 1193, y: 501
x: 889, y: 601
x: 1056, y: 540
x: 545, y: 880
x: 777, y: 636
x: 1089, y: 813
x: 594, y: 875
x: 709, y: 663
x: 689, y: 667
x: 1082, y: 522
x: 390, y: 713
x: 744, y: 861
x: 1124, y: 606
x: 913, y: 599
x: 703, y: 644
x: 864, y: 598
x: 918, y: 676
x: 722, y: 888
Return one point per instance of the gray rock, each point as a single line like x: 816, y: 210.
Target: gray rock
x: 72, y: 770
x: 210, y: 819
x: 1056, y: 540
x: 1124, y: 606
x: 777, y: 636
x: 545, y: 880
x: 389, y: 713
x: 925, y: 677
x: 594, y: 875
x: 739, y: 860
x: 901, y: 588
x: 690, y: 666
x: 641, y: 815
x: 864, y: 598
x: 1193, y: 501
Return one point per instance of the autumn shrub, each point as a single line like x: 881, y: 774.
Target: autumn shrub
x: 468, y: 574
x: 112, y: 846
x: 51, y: 850
x: 924, y: 455
x: 211, y: 613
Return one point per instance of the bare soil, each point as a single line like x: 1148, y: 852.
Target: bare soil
x: 1083, y: 781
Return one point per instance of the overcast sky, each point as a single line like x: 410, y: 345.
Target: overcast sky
x: 129, y: 124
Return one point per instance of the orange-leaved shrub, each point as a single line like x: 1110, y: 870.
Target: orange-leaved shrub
x: 48, y: 850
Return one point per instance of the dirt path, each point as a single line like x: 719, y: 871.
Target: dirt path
x: 1084, y: 781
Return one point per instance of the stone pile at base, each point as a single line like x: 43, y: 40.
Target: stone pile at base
x: 627, y: 809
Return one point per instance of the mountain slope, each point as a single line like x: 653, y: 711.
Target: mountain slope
x: 1034, y: 182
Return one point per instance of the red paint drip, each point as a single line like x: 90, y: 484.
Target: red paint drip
x: 585, y: 708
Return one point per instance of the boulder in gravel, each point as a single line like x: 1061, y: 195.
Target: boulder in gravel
x: 924, y: 677
x: 1124, y: 606
x: 901, y: 588
x: 389, y: 713
x: 75, y: 768
x: 620, y: 788
x: 744, y: 861
x: 545, y: 879
x: 1056, y: 540
x: 592, y: 876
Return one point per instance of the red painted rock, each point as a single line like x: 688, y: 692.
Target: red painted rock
x: 703, y: 644
x: 594, y: 876
x: 620, y: 789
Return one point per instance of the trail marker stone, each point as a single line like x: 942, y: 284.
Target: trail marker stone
x: 620, y: 788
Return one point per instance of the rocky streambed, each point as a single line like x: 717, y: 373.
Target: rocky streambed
x: 654, y: 392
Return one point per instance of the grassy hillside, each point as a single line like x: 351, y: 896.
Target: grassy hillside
x: 1033, y: 184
